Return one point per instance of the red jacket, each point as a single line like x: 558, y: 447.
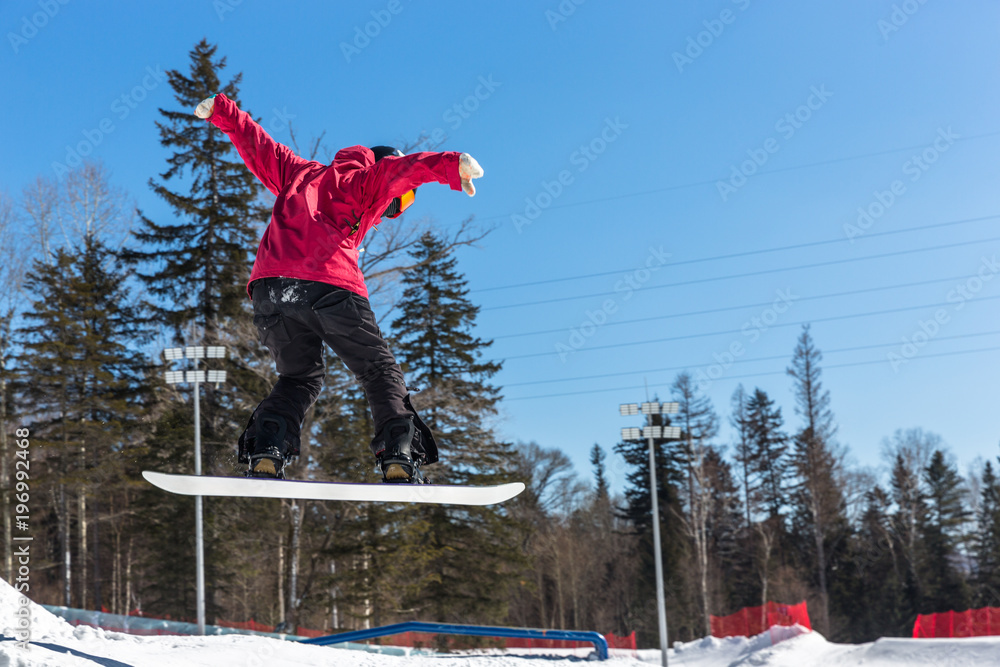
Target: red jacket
x: 324, y: 211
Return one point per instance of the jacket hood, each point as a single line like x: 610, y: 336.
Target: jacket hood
x: 353, y: 157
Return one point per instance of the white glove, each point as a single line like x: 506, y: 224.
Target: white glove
x: 469, y: 169
x: 205, y: 108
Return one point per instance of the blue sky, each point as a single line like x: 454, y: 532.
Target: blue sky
x: 692, y: 141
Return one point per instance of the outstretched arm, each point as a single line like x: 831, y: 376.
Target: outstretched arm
x: 269, y: 161
x: 392, y: 176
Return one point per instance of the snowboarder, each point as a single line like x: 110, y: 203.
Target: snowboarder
x: 307, y: 288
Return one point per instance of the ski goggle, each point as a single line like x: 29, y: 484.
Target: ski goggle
x: 400, y: 204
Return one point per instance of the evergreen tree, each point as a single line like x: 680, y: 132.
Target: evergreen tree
x: 739, y: 419
x: 941, y: 531
x: 818, y: 499
x: 84, y: 383
x: 469, y: 552
x: 876, y: 587
x: 199, y: 263
x: 597, y: 458
x: 724, y: 528
x: 768, y: 454
x: 910, y: 507
x: 987, y: 546
x: 638, y: 512
x: 194, y: 267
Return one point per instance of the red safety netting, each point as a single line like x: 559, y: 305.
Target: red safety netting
x: 968, y: 623
x: 751, y: 621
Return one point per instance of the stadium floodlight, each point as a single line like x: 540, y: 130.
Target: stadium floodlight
x: 631, y: 433
x: 628, y: 409
x: 216, y: 377
x: 654, y: 432
x: 194, y: 376
x: 174, y: 377
x: 197, y: 377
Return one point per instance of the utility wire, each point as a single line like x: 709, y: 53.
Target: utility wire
x: 762, y: 172
x: 748, y: 253
x: 737, y: 361
x: 756, y: 375
x: 736, y: 331
x: 749, y: 274
x: 740, y: 307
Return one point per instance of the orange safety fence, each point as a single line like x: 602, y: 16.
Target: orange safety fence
x: 969, y: 623
x: 751, y: 621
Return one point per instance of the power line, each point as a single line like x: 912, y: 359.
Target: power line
x: 748, y: 253
x: 750, y: 274
x: 736, y: 331
x: 756, y: 375
x: 681, y: 186
x: 737, y: 361
x: 740, y: 307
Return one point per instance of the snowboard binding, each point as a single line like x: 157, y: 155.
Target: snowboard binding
x: 267, y: 445
x: 394, y: 447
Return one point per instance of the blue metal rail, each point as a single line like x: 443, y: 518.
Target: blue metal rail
x: 595, y: 638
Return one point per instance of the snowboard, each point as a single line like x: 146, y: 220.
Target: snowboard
x: 256, y: 487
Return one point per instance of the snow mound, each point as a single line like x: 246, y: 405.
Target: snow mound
x: 16, y: 609
x: 55, y: 642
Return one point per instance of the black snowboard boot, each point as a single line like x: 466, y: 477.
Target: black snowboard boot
x: 393, y: 447
x: 270, y: 447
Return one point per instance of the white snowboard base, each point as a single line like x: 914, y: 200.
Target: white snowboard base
x: 255, y: 487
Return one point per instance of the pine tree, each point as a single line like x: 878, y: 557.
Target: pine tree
x: 876, y: 584
x: 638, y: 512
x: 910, y: 506
x: 467, y: 552
x: 739, y: 419
x: 724, y: 527
x: 987, y: 546
x: 817, y: 497
x: 194, y: 267
x: 601, y: 493
x: 768, y: 454
x: 84, y: 383
x: 199, y: 264
x: 941, y: 531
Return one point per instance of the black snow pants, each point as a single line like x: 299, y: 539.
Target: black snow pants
x: 294, y: 318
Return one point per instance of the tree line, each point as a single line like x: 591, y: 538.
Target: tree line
x: 776, y: 514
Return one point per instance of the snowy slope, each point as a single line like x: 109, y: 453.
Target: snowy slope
x: 55, y: 642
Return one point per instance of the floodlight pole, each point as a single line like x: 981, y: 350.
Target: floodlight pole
x: 661, y: 605
x: 650, y: 408
x: 194, y: 353
x: 199, y: 533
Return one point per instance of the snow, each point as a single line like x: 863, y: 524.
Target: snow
x: 56, y: 642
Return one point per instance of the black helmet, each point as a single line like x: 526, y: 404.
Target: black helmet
x: 401, y: 203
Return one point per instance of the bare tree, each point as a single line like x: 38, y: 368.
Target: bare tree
x: 12, y: 268
x: 91, y: 207
x: 40, y: 202
x: 699, y: 424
